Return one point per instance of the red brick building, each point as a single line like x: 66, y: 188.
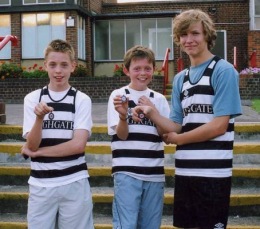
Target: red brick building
x: 101, y: 31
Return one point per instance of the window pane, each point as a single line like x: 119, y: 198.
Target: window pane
x: 5, y: 29
x: 102, y: 40
x: 164, y: 38
x: 29, y: 35
x: 43, y: 19
x: 29, y: 1
x: 43, y: 1
x: 148, y: 33
x: 257, y: 23
x: 38, y: 30
x: 257, y: 7
x: 29, y: 20
x: 117, y: 39
x: 81, y: 38
x: 132, y: 33
x: 44, y: 36
x: 5, y: 21
x: 44, y: 32
x: 58, y: 26
x: 57, y: 19
x: 4, y: 2
x: 220, y: 45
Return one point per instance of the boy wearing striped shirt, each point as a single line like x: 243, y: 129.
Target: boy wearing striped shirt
x: 137, y: 147
x: 205, y: 101
x: 57, y: 124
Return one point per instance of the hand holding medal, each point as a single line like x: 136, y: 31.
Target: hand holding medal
x: 42, y: 109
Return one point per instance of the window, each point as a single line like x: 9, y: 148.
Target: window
x: 38, y: 30
x: 5, y: 29
x: 255, y: 14
x: 81, y: 39
x: 220, y: 48
x: 114, y: 37
x: 79, y: 2
x: 5, y: 2
x: 27, y: 2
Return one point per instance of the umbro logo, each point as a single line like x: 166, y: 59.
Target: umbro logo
x: 219, y: 226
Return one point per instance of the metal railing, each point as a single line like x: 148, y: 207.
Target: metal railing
x: 165, y: 69
x: 4, y: 40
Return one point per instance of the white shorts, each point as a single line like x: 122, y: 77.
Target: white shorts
x: 69, y: 205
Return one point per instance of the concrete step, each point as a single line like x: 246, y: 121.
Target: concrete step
x: 244, y: 202
x: 102, y: 128
x: 97, y: 171
x: 243, y: 132
x: 107, y: 192
x: 18, y: 221
x: 105, y: 147
x: 99, y: 153
x: 100, y: 176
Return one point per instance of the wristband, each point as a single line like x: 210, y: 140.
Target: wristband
x: 123, y: 119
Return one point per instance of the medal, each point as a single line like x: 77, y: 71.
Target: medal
x: 123, y: 99
x: 51, y: 116
x: 141, y: 115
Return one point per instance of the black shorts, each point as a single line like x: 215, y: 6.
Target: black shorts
x: 201, y: 202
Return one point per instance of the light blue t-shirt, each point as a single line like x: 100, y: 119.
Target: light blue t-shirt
x: 225, y: 82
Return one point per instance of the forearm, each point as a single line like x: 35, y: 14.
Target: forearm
x: 34, y: 137
x: 61, y: 150
x: 122, y: 128
x: 218, y: 126
x: 165, y: 125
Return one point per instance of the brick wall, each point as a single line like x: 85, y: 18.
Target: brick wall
x: 254, y: 45
x: 98, y: 88
x: 250, y: 86
x: 232, y: 16
x: 16, y: 31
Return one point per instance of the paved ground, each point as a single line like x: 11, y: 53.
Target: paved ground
x: 14, y: 113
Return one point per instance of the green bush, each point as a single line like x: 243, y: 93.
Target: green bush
x: 35, y: 74
x: 80, y: 71
x: 10, y: 70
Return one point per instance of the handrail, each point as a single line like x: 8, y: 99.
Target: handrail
x: 165, y: 69
x: 235, y: 57
x: 253, y: 59
x: 4, y: 40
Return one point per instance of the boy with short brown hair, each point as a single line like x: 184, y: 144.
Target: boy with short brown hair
x: 137, y: 147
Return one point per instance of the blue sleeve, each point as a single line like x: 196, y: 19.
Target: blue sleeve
x: 176, y: 108
x: 225, y: 81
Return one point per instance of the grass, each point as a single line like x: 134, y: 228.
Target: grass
x: 256, y: 104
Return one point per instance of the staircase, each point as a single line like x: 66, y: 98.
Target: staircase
x: 168, y: 92
x: 14, y: 173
